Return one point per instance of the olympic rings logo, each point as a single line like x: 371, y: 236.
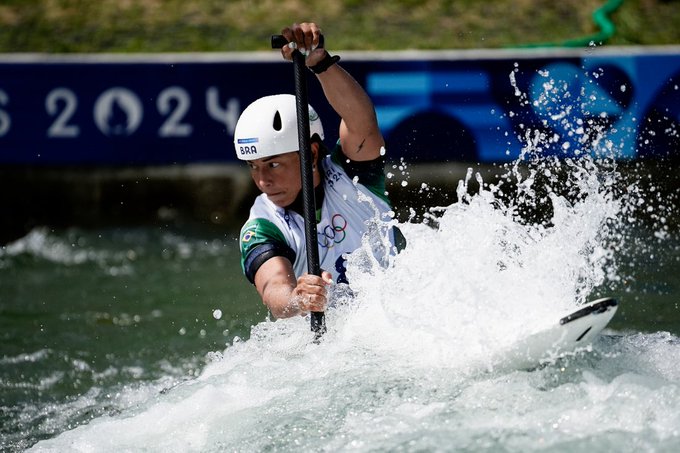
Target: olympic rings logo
x: 334, y: 233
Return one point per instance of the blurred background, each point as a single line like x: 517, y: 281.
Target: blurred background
x: 217, y: 26
x: 122, y: 111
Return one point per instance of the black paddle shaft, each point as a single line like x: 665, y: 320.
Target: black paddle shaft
x: 318, y: 322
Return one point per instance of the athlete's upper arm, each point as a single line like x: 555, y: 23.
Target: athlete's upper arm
x: 361, y: 145
x: 260, y: 240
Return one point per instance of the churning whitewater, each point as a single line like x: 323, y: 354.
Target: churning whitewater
x: 413, y: 359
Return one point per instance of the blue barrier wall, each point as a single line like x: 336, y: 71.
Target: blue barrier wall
x: 445, y: 106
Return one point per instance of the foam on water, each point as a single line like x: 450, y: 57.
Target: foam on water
x: 407, y: 364
x: 410, y: 361
x: 278, y: 390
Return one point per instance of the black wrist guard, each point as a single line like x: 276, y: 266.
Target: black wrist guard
x: 324, y: 64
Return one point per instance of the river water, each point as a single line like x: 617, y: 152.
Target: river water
x: 150, y: 339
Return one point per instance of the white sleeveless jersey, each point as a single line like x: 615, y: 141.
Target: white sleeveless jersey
x: 350, y: 211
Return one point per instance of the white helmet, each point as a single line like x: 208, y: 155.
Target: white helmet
x: 268, y: 127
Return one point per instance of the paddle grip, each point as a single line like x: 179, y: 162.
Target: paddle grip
x: 278, y: 41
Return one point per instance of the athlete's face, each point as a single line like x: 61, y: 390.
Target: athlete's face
x: 278, y: 177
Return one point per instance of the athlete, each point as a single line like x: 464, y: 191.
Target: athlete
x: 349, y: 184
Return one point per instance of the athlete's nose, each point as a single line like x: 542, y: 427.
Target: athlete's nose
x: 263, y: 177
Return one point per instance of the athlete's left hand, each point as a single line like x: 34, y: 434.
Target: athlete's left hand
x: 310, y: 293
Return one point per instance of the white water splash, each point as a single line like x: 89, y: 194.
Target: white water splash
x: 407, y: 363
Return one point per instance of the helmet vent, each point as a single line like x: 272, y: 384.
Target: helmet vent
x: 277, y: 121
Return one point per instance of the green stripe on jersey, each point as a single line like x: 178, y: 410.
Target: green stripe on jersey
x: 256, y: 232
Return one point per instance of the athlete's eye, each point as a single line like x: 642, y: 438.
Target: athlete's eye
x: 274, y: 164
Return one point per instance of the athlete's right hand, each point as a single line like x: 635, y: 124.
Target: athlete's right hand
x: 305, y: 38
x: 310, y: 294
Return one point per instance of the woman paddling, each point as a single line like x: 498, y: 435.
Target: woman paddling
x: 349, y: 184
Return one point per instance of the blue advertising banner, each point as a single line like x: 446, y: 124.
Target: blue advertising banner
x: 432, y: 107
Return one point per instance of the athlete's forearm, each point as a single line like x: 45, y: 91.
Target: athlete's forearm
x: 279, y: 298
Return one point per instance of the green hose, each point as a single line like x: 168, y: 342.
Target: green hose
x: 601, y: 19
